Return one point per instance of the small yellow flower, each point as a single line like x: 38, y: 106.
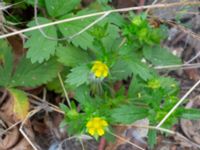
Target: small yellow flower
x: 96, y: 126
x: 154, y: 84
x: 100, y: 69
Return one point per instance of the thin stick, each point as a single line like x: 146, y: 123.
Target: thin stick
x: 168, y: 131
x: 193, y: 58
x: 9, y: 6
x: 182, y: 66
x: 67, y: 37
x: 90, y: 25
x: 30, y: 114
x: 65, y: 91
x: 98, y: 14
x: 12, y: 126
x: 82, y: 145
x: 175, y: 107
x: 52, y: 106
x: 127, y: 141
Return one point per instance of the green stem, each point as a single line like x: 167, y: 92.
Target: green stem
x: 65, y: 91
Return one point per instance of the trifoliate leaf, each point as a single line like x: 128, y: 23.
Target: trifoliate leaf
x: 6, y: 63
x: 85, y: 39
x: 28, y: 74
x: 160, y: 56
x: 39, y: 47
x: 78, y: 76
x: 128, y: 114
x: 71, y: 56
x: 21, y: 103
x: 57, y: 8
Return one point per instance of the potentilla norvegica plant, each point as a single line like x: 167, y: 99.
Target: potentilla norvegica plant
x: 92, y: 62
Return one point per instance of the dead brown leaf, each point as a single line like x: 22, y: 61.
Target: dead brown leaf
x: 10, y: 138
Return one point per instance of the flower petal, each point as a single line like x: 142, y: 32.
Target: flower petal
x: 100, y: 132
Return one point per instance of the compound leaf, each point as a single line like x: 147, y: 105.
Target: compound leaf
x: 85, y: 39
x: 39, y: 47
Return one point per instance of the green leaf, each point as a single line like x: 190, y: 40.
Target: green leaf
x: 104, y: 1
x: 39, y: 47
x: 6, y: 61
x: 120, y: 70
x: 21, y: 103
x: 160, y: 56
x: 57, y: 8
x: 78, y: 76
x: 136, y: 87
x: 151, y: 138
x: 170, y: 85
x: 192, y: 113
x: 140, y: 69
x: 31, y: 75
x: 82, y: 94
x: 112, y: 33
x: 85, y: 39
x: 71, y: 56
x: 128, y: 114
x: 41, y: 3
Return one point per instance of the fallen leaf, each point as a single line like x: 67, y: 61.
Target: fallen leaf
x: 21, y: 103
x: 10, y: 138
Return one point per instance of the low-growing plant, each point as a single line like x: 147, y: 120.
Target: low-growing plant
x: 92, y: 63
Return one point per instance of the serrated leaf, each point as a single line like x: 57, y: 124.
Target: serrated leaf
x: 85, y: 39
x: 21, y: 103
x: 31, y: 75
x: 120, y: 70
x: 135, y: 87
x: 57, y: 8
x: 39, y: 47
x: 140, y: 69
x: 128, y: 114
x: 82, y: 94
x: 109, y: 41
x: 6, y: 61
x: 78, y: 76
x: 160, y: 56
x: 71, y: 56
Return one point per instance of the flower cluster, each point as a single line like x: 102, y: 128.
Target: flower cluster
x: 99, y: 69
x: 96, y: 126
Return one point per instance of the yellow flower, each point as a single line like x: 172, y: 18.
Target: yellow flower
x: 154, y: 84
x: 96, y: 126
x: 100, y: 69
